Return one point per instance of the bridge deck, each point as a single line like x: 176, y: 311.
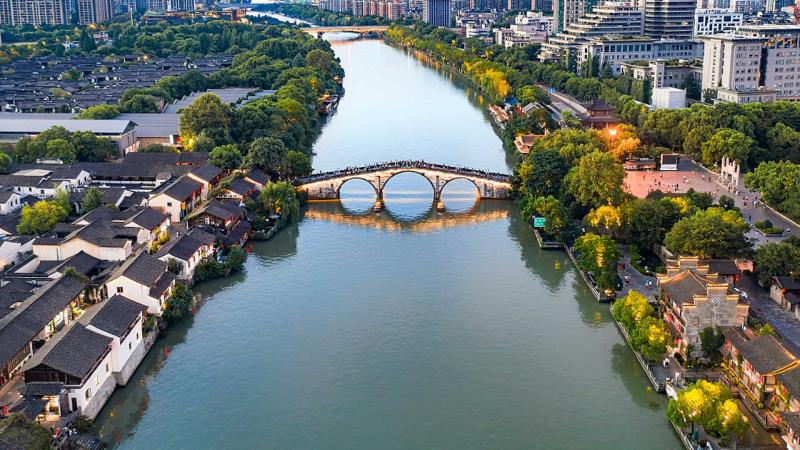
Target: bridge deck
x: 398, y: 165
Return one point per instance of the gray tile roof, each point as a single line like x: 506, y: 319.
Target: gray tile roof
x: 26, y: 321
x: 792, y: 420
x: 187, y: 245
x: 149, y: 218
x: 27, y: 125
x: 74, y: 351
x: 38, y: 389
x: 765, y: 354
x: 115, y: 315
x: 181, y: 189
x: 144, y: 269
x: 206, y: 172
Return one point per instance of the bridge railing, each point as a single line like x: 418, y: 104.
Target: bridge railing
x: 394, y: 165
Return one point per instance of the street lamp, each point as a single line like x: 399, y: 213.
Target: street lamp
x: 612, y: 132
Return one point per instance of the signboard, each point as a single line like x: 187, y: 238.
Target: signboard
x: 538, y: 222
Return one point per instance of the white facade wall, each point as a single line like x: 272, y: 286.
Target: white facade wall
x: 137, y: 292
x: 85, y: 394
x: 11, y: 205
x: 121, y: 351
x: 64, y: 250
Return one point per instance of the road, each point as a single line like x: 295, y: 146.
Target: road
x: 762, y: 306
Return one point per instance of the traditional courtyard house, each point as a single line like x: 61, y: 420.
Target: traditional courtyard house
x: 207, y: 175
x: 81, y: 359
x: 121, y: 319
x: 34, y: 320
x: 693, y: 299
x: 13, y: 248
x: 787, y: 396
x: 239, y: 189
x: 102, y: 239
x: 143, y: 279
x: 39, y: 186
x: 151, y: 221
x: 178, y: 198
x: 785, y: 291
x: 9, y: 201
x: 257, y: 177
x: 53, y: 374
x: 752, y: 368
x: 218, y: 214
x: 790, y: 429
x: 189, y: 250
x: 727, y: 269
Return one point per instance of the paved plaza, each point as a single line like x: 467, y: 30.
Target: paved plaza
x: 691, y: 175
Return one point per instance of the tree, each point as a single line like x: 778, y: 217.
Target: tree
x: 298, y: 163
x: 139, y: 103
x: 87, y: 41
x: 5, y: 162
x: 320, y: 60
x: 235, y: 258
x: 596, y: 180
x: 599, y: 255
x: 226, y: 157
x: 726, y: 142
x: 279, y: 198
x: 711, y: 234
x: 605, y: 219
x: 711, y: 342
x: 541, y: 172
x: 92, y: 198
x: 99, y: 112
x: 556, y: 217
x: 631, y: 309
x: 650, y: 337
x: 269, y: 154
x: 776, y: 259
x: 61, y: 149
x: 206, y: 115
x: 178, y: 303
x: 174, y: 266
x: 643, y: 222
x: 41, y: 217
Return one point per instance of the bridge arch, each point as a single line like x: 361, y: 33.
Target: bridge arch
x: 345, y: 181
x: 471, y: 180
x: 409, y: 170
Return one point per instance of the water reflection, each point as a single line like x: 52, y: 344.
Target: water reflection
x: 628, y: 370
x: 390, y: 220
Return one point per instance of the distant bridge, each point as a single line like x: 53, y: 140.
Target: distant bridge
x: 327, y: 185
x: 358, y: 29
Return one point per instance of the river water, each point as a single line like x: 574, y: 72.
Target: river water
x: 407, y: 329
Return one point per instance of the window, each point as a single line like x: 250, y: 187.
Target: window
x: 130, y: 346
x: 108, y: 368
x: 137, y: 336
x: 696, y: 321
x: 88, y: 393
x: 119, y: 289
x: 169, y: 204
x: 97, y: 380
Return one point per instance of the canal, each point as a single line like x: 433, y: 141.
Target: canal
x: 407, y: 329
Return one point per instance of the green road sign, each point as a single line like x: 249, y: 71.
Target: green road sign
x: 538, y: 222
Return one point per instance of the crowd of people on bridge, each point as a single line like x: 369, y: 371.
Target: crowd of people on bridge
x: 411, y: 164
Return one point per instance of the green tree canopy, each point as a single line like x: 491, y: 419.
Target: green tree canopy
x: 776, y: 259
x: 99, y: 112
x: 207, y: 115
x: 726, y: 142
x: 226, y: 157
x: 298, y: 163
x: 269, y: 154
x: 711, y: 234
x: 92, y: 198
x: 596, y: 180
x: 41, y: 217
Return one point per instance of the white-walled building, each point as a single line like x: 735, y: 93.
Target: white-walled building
x: 668, y: 98
x: 189, y: 250
x: 731, y: 67
x: 143, y: 279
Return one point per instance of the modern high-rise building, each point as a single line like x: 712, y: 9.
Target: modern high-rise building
x: 34, y: 12
x: 713, y: 21
x: 93, y: 11
x: 607, y: 19
x: 436, y: 12
x: 669, y: 18
x: 732, y: 68
x: 567, y: 12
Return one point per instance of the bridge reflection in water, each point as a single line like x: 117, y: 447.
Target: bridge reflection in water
x: 432, y: 220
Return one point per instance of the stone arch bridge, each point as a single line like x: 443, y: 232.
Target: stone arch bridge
x: 327, y: 185
x: 357, y: 29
